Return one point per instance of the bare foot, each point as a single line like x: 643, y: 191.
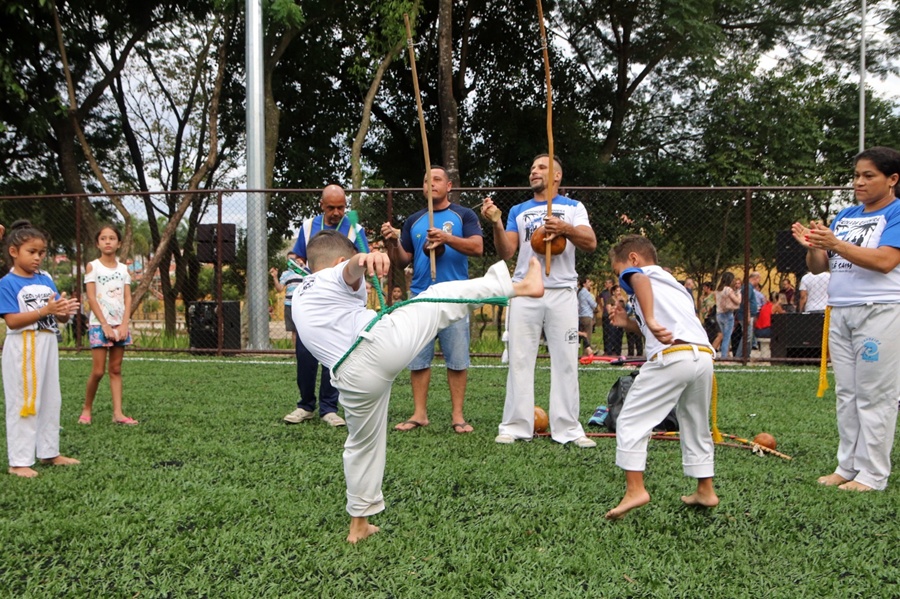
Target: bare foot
x: 832, y: 480
x: 61, y: 460
x: 852, y: 485
x: 360, y: 529
x: 701, y: 499
x: 23, y: 471
x: 628, y: 503
x: 533, y: 283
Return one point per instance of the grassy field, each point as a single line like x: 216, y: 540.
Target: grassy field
x: 214, y: 496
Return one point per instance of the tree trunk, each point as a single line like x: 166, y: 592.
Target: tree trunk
x: 270, y: 106
x: 204, y: 168
x: 356, y: 149
x: 446, y: 101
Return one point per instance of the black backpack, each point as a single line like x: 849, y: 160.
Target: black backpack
x: 616, y: 397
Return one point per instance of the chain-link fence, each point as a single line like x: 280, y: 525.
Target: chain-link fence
x: 192, y: 294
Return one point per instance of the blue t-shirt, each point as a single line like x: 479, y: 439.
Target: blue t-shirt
x: 449, y: 266
x: 313, y: 226
x: 28, y: 294
x: 852, y: 285
x: 586, y: 303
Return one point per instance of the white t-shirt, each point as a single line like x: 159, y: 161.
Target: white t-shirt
x: 673, y: 309
x: 109, y: 291
x: 816, y: 288
x: 329, y: 315
x: 525, y: 218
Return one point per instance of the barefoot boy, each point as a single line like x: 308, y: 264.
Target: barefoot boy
x: 678, y: 372
x: 332, y: 302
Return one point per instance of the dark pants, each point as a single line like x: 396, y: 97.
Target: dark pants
x: 307, y: 366
x: 612, y: 339
x: 635, y: 343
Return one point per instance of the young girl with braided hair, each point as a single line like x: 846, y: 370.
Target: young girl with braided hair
x: 31, y: 306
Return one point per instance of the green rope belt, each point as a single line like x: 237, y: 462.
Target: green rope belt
x: 385, y: 310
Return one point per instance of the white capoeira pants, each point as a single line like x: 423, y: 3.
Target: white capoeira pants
x: 36, y: 435
x: 864, y: 342
x: 680, y: 379
x: 557, y: 315
x: 365, y: 377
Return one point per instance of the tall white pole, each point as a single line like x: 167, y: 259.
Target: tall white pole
x: 862, y: 80
x: 257, y: 303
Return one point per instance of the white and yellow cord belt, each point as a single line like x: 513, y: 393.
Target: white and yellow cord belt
x: 716, y: 434
x: 28, y: 358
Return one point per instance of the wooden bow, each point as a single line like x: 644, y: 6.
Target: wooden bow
x: 415, y: 77
x: 552, y: 163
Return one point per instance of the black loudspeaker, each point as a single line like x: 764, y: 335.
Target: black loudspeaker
x: 208, y: 243
x: 204, y: 325
x: 797, y: 335
x: 790, y: 256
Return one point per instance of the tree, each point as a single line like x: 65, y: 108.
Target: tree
x: 624, y: 47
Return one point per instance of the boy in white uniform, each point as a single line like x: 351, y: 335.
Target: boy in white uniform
x: 364, y: 360
x: 678, y: 372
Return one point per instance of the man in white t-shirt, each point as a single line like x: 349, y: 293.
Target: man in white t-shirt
x: 556, y: 313
x: 814, y: 292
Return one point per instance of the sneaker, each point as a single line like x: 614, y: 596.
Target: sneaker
x: 584, y: 443
x: 333, y: 419
x: 504, y: 439
x: 299, y: 415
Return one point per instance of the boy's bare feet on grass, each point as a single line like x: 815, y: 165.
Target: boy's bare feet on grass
x: 629, y: 502
x: 704, y: 496
x: 832, y: 480
x: 61, y: 460
x: 360, y: 529
x: 852, y: 485
x: 701, y: 499
x: 533, y: 283
x: 23, y: 471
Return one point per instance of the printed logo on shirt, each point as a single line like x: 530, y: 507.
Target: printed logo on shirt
x: 448, y: 227
x: 572, y: 336
x: 307, y: 283
x: 864, y: 232
x: 34, y: 302
x: 870, y: 350
x: 534, y: 219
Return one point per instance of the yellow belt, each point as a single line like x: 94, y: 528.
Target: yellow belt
x: 676, y: 348
x: 29, y: 359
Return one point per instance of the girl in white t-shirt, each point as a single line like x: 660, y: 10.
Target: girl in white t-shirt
x: 109, y: 295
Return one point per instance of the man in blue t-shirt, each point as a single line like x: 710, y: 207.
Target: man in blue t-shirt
x: 455, y: 236
x: 333, y: 204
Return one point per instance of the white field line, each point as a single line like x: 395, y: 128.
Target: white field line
x: 289, y: 362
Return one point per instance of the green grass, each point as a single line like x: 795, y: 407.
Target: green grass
x: 213, y: 496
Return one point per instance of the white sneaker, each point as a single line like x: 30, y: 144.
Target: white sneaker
x: 584, y: 443
x: 333, y: 419
x: 504, y: 439
x: 299, y: 415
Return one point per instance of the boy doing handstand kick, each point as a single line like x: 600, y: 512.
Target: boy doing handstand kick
x: 678, y: 372
x: 332, y: 302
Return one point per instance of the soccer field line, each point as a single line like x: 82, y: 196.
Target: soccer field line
x: 290, y: 362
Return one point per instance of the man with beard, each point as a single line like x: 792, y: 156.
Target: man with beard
x: 556, y: 313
